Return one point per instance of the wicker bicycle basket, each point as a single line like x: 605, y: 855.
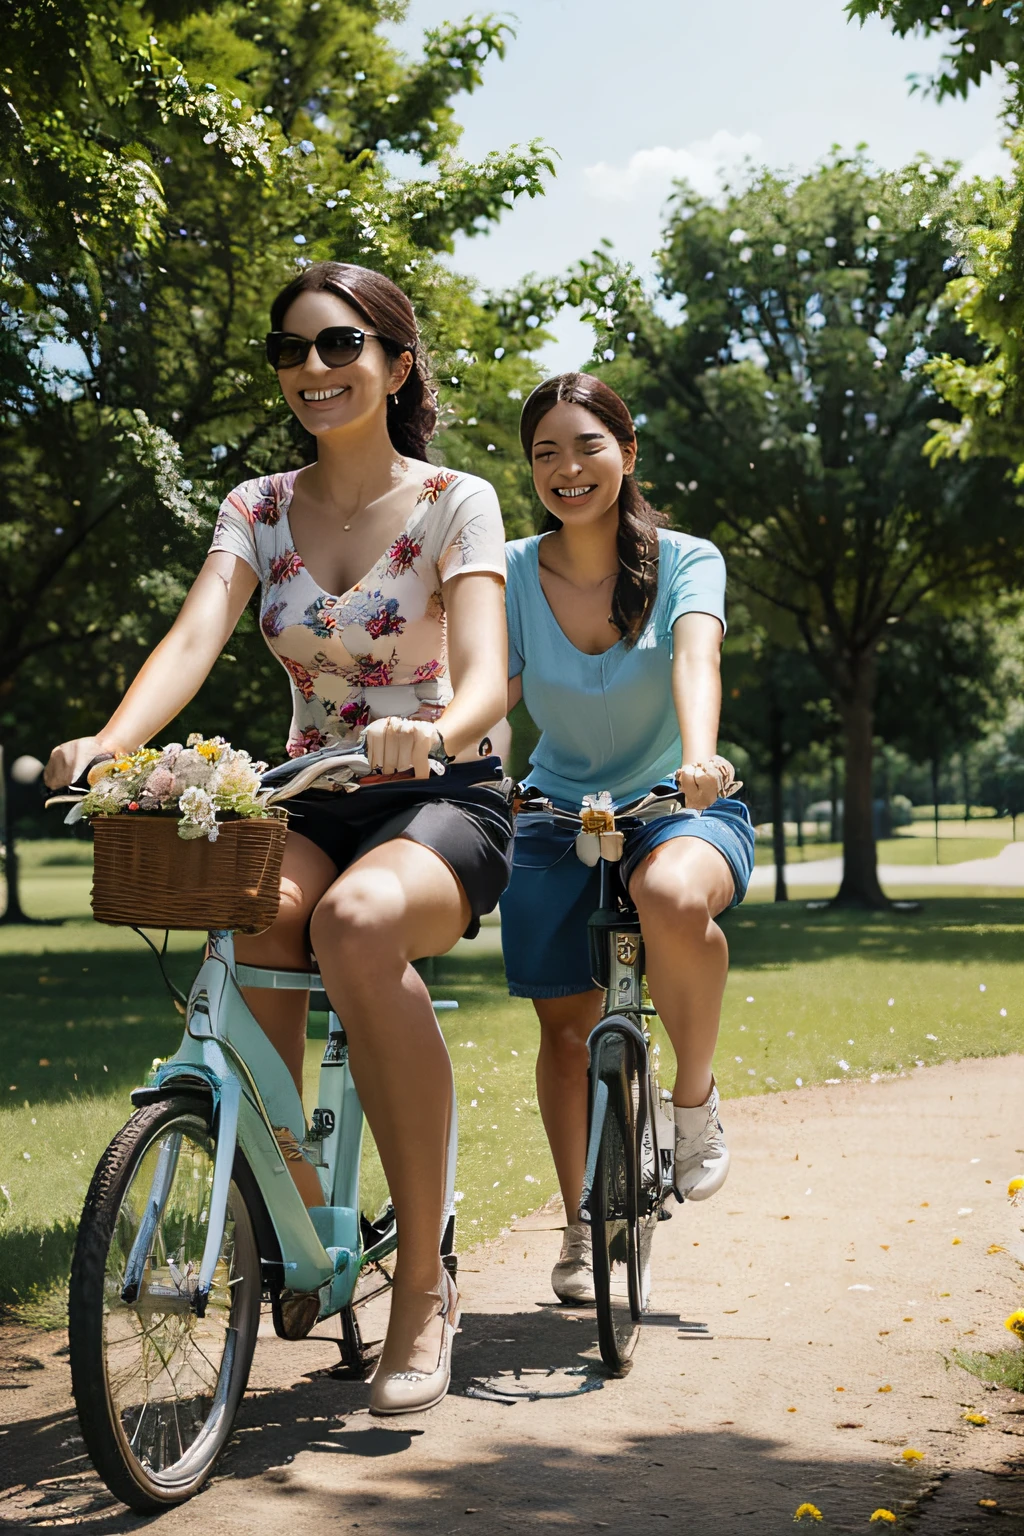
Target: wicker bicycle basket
x: 146, y: 876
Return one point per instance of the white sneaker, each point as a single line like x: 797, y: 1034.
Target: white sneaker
x: 702, y: 1157
x: 572, y: 1278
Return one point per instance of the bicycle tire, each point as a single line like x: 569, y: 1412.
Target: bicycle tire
x: 120, y: 1350
x: 613, y: 1203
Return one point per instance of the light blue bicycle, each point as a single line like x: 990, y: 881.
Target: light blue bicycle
x: 192, y: 1218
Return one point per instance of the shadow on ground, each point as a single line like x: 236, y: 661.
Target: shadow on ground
x: 310, y: 1452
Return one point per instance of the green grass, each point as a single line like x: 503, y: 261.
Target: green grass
x: 912, y: 846
x: 85, y: 1012
x: 1005, y: 1368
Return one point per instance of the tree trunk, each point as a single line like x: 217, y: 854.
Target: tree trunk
x: 835, y: 831
x: 778, y: 827
x: 798, y: 796
x: 859, y: 887
x: 12, y: 912
x: 935, y: 802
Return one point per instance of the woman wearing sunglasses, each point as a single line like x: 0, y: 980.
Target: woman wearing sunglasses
x: 615, y: 629
x: 381, y: 583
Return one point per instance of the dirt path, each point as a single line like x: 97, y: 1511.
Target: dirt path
x: 827, y: 1262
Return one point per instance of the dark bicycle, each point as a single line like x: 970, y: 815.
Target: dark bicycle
x: 630, y: 1139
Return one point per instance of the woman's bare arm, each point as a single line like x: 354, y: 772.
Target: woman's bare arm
x: 477, y: 659
x: 697, y: 694
x: 174, y: 671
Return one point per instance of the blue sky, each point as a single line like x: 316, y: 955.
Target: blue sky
x: 634, y: 94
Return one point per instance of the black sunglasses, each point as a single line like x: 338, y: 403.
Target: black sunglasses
x: 337, y: 346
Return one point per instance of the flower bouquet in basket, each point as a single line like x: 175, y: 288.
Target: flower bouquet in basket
x: 162, y: 857
x: 197, y: 780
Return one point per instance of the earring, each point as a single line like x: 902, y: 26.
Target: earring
x: 393, y: 399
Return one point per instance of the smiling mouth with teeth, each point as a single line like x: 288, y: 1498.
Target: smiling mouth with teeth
x: 568, y: 492
x: 320, y: 394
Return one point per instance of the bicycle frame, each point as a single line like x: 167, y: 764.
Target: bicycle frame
x: 617, y: 953
x: 225, y: 1053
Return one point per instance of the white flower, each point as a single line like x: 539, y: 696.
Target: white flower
x: 191, y: 771
x: 234, y: 775
x: 199, y: 815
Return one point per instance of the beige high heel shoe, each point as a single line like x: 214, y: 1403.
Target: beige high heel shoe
x: 415, y: 1391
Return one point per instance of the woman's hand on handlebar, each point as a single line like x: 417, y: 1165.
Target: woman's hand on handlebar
x: 395, y: 745
x: 69, y: 761
x: 704, y: 783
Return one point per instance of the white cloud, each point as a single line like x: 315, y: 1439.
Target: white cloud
x: 650, y: 172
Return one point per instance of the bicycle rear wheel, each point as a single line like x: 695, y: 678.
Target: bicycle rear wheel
x: 613, y: 1200
x: 157, y: 1386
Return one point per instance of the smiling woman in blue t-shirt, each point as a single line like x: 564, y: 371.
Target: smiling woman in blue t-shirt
x: 615, y: 629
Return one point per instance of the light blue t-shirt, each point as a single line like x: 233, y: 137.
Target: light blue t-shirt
x: 608, y: 721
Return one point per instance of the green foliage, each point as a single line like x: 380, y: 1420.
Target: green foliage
x: 987, y: 292
x: 162, y: 171
x: 941, y: 685
x: 987, y: 298
x: 981, y: 34
x: 787, y: 410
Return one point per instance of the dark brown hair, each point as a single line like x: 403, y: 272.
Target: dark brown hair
x: 637, y: 586
x: 412, y: 417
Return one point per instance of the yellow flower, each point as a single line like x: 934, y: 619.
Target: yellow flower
x: 211, y: 750
x: 808, y: 1512
x: 1015, y: 1323
x: 885, y: 1389
x: 1015, y: 1186
x: 975, y: 1418
x: 911, y: 1455
x: 957, y: 1240
x: 886, y: 1516
x: 995, y: 1248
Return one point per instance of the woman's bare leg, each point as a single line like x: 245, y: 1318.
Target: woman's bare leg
x: 305, y: 874
x: 679, y: 890
x: 565, y: 1023
x: 398, y: 903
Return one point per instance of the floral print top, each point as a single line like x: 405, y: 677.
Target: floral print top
x: 378, y: 649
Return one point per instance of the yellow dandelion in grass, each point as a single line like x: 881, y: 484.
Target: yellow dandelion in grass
x: 911, y: 1455
x: 808, y: 1512
x: 975, y: 1418
x: 1015, y: 1323
x: 885, y: 1516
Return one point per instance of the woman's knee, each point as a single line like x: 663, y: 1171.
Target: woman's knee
x: 565, y: 1024
x: 358, y: 917
x: 674, y: 904
x: 285, y: 940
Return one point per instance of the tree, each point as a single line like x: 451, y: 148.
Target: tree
x: 786, y: 416
x: 1001, y: 779
x: 986, y: 291
x: 940, y: 689
x: 771, y: 706
x: 162, y: 170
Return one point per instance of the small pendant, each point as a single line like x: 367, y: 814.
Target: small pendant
x: 345, y: 527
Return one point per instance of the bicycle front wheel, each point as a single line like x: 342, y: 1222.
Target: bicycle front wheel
x: 157, y: 1386
x: 613, y: 1201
